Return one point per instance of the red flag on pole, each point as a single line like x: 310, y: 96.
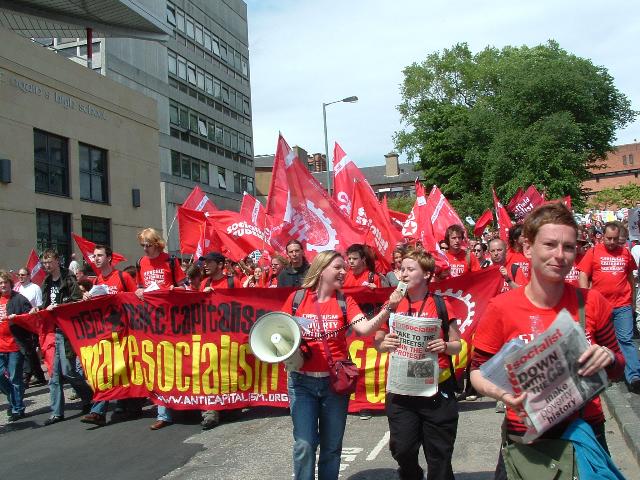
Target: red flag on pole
x: 504, y: 221
x: 35, y: 267
x: 441, y: 215
x: 524, y: 202
x: 345, y: 174
x: 199, y: 201
x: 417, y: 221
x: 485, y: 219
x: 87, y: 247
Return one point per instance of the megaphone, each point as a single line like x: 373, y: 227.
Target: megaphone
x: 275, y: 338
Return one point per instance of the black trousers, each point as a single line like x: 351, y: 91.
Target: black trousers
x: 32, y: 367
x: 431, y: 422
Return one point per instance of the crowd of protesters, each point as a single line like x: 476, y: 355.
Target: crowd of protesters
x: 543, y: 264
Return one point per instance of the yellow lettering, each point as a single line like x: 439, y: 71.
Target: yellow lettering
x: 210, y: 384
x: 244, y: 379
x: 182, y: 383
x: 233, y: 367
x: 134, y: 365
x: 120, y: 376
x: 149, y: 373
x: 105, y: 380
x: 195, y: 364
x: 89, y: 358
x: 166, y: 370
x: 225, y: 342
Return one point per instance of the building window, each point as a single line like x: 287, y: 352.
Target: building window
x: 93, y: 174
x: 215, y: 45
x: 200, y: 79
x: 199, y: 37
x: 624, y: 159
x: 219, y: 134
x: 51, y: 159
x: 182, y: 68
x: 245, y: 67
x: 191, y: 73
x: 173, y: 68
x: 171, y: 15
x: 180, y: 20
x: 174, y: 116
x: 631, y: 159
x: 96, y: 229
x: 190, y: 30
x: 202, y: 127
x: 175, y: 163
x: 222, y: 181
x: 52, y: 231
x: 250, y: 186
x: 208, y: 84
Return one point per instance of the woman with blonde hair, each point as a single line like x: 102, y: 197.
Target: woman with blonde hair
x: 318, y: 413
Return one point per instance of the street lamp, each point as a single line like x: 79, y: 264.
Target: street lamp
x: 326, y: 140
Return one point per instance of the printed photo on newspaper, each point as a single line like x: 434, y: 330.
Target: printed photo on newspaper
x: 413, y: 370
x: 547, y: 369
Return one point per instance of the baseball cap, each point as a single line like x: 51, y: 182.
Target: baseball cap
x: 213, y: 256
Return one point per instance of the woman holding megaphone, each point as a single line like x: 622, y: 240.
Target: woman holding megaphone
x: 319, y: 414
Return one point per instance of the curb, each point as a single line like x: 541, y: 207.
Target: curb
x: 618, y: 400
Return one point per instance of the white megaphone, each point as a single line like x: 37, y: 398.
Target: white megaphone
x: 275, y: 338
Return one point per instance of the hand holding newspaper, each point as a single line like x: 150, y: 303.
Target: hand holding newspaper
x: 412, y: 369
x: 547, y: 370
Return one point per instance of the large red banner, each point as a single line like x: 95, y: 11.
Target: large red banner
x: 189, y: 350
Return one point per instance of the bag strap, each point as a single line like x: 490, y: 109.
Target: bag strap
x: 297, y: 300
x: 172, y: 265
x: 124, y: 287
x: 342, y: 302
x: 230, y: 283
x: 514, y: 269
x: 443, y: 315
x: 581, y: 309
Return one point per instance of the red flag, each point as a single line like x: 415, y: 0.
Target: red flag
x: 441, y: 215
x: 345, y: 174
x: 397, y: 218
x: 198, y: 201
x: 87, y: 247
x: 523, y: 202
x: 254, y: 212
x: 196, y: 234
x: 567, y: 201
x: 417, y: 221
x: 485, y: 219
x: 382, y: 235
x: 238, y: 237
x: 301, y: 209
x: 504, y: 221
x: 35, y: 267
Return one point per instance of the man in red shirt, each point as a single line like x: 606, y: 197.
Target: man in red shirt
x: 610, y: 268
x: 514, y: 252
x: 513, y: 277
x: 460, y: 260
x: 550, y: 245
x: 214, y: 274
x: 360, y: 274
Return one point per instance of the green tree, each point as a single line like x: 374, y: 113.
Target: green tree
x: 506, y: 119
x: 403, y: 203
x: 613, y: 198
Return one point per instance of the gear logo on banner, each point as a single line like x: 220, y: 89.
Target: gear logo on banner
x: 313, y: 226
x: 463, y: 305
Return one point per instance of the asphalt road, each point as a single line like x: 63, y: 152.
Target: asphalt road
x: 255, y: 444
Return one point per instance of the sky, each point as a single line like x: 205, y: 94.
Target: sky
x: 304, y: 53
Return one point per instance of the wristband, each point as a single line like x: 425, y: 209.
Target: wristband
x: 612, y: 355
x: 502, y: 396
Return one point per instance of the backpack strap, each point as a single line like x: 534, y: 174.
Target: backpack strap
x: 581, y: 309
x: 514, y: 269
x: 343, y: 305
x: 122, y: 284
x: 230, y: 283
x: 297, y: 300
x: 443, y: 315
x: 138, y: 271
x: 172, y: 265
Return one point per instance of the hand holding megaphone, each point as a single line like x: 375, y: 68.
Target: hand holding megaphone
x: 396, y: 296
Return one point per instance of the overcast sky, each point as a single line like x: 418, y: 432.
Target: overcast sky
x: 305, y: 52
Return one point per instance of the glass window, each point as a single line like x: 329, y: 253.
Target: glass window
x: 250, y: 186
x: 195, y: 170
x: 215, y: 45
x: 234, y: 141
x: 182, y: 68
x: 208, y: 84
x: 199, y: 36
x: 227, y: 138
x: 225, y: 95
x: 217, y: 89
x: 93, y: 174
x: 246, y: 106
x: 236, y: 183
x: 186, y: 167
x: 200, y: 79
x: 631, y: 159
x: 190, y: 29
x: 174, y: 116
x: 247, y: 148
x: 222, y: 181
x: 211, y: 132
x: 180, y: 20
x: 193, y: 123
x: 191, y: 73
x: 624, y: 159
x: 223, y: 51
x: 245, y: 67
x: 175, y: 163
x: 202, y: 127
x: 171, y: 15
x: 204, y: 173
x: 207, y: 41
x: 53, y: 231
x: 51, y: 161
x: 219, y: 134
x: 97, y: 230
x: 184, y: 118
x: 237, y: 60
x: 173, y: 63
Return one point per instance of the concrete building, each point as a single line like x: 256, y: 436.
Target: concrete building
x: 621, y: 167
x: 78, y: 153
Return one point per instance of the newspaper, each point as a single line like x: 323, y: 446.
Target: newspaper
x: 413, y: 370
x: 493, y: 369
x: 547, y: 369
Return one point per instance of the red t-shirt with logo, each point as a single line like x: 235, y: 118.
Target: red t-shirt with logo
x: 7, y: 340
x: 608, y: 272
x: 332, y: 319
x: 222, y: 282
x: 509, y: 315
x: 574, y: 274
x: 158, y: 270
x: 114, y: 284
x: 459, y: 265
x: 429, y: 310
x: 352, y: 280
x: 519, y: 259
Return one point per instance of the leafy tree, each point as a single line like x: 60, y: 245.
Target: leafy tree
x: 612, y: 198
x: 403, y: 203
x: 506, y: 119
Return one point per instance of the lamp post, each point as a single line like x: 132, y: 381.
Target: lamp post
x: 326, y: 140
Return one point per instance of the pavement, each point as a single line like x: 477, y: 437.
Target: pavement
x: 625, y: 409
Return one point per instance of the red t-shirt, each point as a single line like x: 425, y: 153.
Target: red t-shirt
x: 608, y: 272
x: 428, y: 311
x: 351, y: 280
x: 222, y: 282
x: 574, y: 273
x: 332, y: 319
x: 7, y: 341
x: 158, y: 270
x: 520, y: 279
x: 520, y: 259
x: 459, y: 264
x: 114, y: 284
x: 508, y: 316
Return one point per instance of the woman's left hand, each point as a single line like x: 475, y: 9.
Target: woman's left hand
x: 436, y: 346
x: 594, y: 359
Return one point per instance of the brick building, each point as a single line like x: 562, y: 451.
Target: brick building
x: 621, y: 167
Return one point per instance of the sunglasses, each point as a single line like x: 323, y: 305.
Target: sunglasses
x: 444, y: 248
x: 146, y: 245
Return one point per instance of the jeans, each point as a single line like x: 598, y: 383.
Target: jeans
x: 11, y: 364
x: 164, y: 414
x: 64, y: 370
x: 319, y: 417
x: 623, y: 324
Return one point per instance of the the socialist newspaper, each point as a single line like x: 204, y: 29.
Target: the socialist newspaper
x: 547, y: 369
x: 413, y: 370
